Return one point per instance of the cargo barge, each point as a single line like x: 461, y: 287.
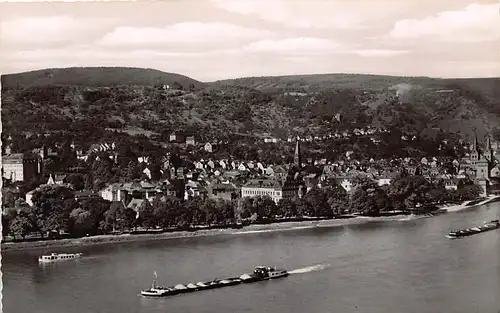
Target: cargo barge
x: 487, y: 226
x: 260, y: 273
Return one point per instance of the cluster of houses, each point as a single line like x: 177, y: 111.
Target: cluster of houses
x: 356, y: 132
x: 235, y: 179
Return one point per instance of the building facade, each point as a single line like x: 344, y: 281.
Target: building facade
x: 20, y: 167
x: 264, y: 187
x: 288, y: 186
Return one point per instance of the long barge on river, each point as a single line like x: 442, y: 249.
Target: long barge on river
x: 260, y: 273
x: 495, y: 224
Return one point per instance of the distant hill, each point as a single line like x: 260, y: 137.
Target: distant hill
x: 92, y: 99
x: 357, y: 81
x: 97, y: 76
x: 456, y: 105
x: 323, y: 81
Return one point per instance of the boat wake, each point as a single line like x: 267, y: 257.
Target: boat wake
x: 309, y: 269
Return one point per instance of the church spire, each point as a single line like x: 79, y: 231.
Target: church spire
x: 296, y: 157
x: 488, y: 151
x: 476, y: 142
x: 475, y: 148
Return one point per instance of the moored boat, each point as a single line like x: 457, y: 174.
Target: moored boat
x: 260, y: 273
x: 487, y: 226
x: 55, y: 257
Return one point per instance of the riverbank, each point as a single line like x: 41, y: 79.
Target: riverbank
x: 468, y: 204
x: 251, y: 229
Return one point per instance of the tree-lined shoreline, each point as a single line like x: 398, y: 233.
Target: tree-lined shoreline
x: 247, y: 229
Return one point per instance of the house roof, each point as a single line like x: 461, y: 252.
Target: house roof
x: 13, y: 157
x: 135, y: 204
x: 226, y: 187
x: 262, y: 183
x: 85, y: 193
x: 60, y: 176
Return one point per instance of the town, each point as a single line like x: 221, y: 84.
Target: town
x: 115, y: 187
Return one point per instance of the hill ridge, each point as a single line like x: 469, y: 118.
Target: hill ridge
x: 97, y: 76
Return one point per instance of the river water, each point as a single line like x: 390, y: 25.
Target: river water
x: 404, y: 266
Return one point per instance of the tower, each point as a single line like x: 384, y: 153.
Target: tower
x: 297, y: 157
x: 8, y: 148
x: 474, y: 156
x: 488, y: 151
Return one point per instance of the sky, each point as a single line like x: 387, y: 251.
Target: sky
x: 217, y: 39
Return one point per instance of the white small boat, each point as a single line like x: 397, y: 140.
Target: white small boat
x: 56, y: 257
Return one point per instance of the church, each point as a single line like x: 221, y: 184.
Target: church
x: 481, y: 164
x: 289, y: 186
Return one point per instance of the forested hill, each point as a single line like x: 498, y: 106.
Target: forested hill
x: 489, y: 87
x: 97, y: 76
x: 456, y: 105
x: 84, y: 102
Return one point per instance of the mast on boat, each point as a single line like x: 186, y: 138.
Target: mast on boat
x: 154, y: 280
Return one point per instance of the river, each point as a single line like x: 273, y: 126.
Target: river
x: 404, y: 266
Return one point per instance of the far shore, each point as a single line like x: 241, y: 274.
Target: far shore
x: 250, y: 229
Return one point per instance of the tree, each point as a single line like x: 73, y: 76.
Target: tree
x: 133, y: 171
x: 245, y: 208
x: 368, y: 199
x: 303, y: 207
x: 147, y: 216
x: 286, y: 208
x: 266, y: 207
x: 97, y: 208
x: 318, y: 201
x: 21, y: 226
x: 337, y: 199
x: 82, y: 222
x: 209, y: 208
x: 469, y: 192
x: 6, y: 221
x: 176, y: 85
x: 183, y: 216
x: 408, y: 191
x: 125, y: 154
x: 52, y: 206
x: 8, y: 198
x: 118, y: 216
x: 102, y: 172
x: 155, y: 169
x: 226, y: 211
x: 20, y: 203
x: 364, y: 182
x: 76, y: 180
x: 194, y: 205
